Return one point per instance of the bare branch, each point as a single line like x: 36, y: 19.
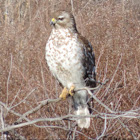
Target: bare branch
x: 126, y: 127
x: 43, y: 103
x: 102, y: 135
x: 8, y: 80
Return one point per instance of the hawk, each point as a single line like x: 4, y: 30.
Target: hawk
x: 71, y: 60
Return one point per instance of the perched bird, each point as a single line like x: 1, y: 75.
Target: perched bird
x: 71, y: 60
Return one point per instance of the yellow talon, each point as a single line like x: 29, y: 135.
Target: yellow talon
x: 64, y: 93
x: 71, y: 91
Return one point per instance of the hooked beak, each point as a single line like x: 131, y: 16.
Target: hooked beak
x: 53, y: 21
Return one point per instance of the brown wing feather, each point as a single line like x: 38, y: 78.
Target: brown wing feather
x: 88, y: 62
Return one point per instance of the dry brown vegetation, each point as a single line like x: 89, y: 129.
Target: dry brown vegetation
x: 112, y: 27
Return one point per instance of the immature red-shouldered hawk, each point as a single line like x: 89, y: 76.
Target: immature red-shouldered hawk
x: 71, y: 60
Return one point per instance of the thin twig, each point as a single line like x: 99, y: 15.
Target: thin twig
x: 24, y: 98
x: 43, y: 103
x: 126, y: 127
x: 74, y: 133
x: 8, y: 80
x: 102, y: 135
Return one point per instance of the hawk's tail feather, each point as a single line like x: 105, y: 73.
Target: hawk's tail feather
x: 84, y: 122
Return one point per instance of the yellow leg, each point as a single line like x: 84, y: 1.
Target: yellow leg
x: 64, y: 93
x: 71, y: 91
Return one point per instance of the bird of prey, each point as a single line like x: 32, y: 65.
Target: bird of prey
x: 71, y: 60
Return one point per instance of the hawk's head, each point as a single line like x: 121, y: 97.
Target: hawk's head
x: 63, y: 19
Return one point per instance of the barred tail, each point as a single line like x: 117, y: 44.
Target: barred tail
x: 81, y: 108
x: 84, y: 122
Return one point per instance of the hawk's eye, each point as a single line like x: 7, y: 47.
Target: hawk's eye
x: 60, y: 18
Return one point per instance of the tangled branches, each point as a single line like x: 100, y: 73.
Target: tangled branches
x: 108, y: 115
